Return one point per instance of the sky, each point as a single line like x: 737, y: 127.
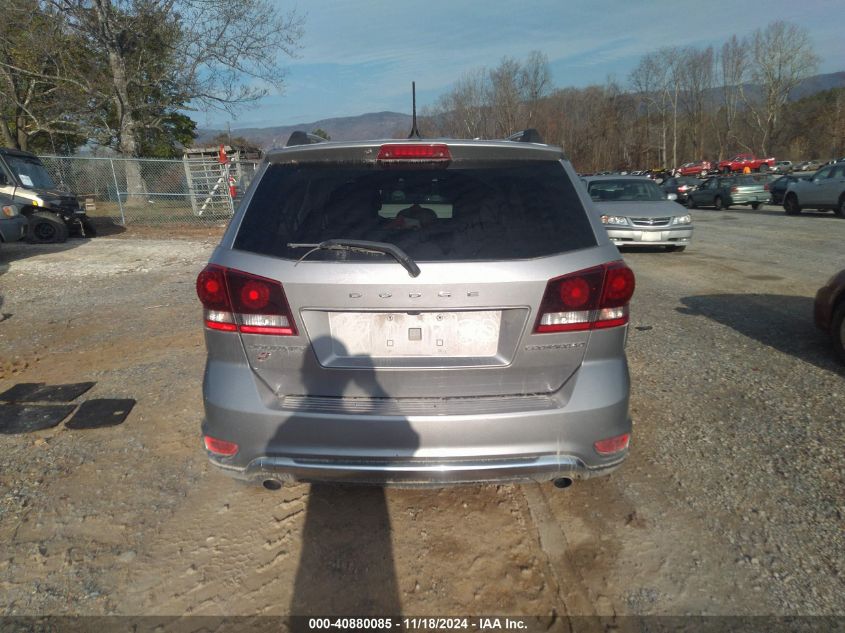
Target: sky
x: 361, y: 56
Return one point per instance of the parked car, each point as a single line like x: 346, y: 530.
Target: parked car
x: 636, y: 212
x: 723, y: 192
x: 777, y: 188
x: 809, y: 165
x: 416, y: 312
x: 829, y: 311
x: 783, y: 167
x: 657, y: 175
x: 824, y: 190
x: 52, y: 212
x: 741, y: 162
x: 699, y: 168
x: 13, y: 224
x: 680, y: 186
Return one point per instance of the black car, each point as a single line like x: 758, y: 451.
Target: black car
x: 680, y: 186
x: 779, y: 186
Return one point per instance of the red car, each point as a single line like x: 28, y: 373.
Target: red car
x: 739, y: 162
x: 700, y: 168
x: 830, y: 311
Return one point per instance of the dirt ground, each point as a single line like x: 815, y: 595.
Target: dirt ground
x: 731, y: 502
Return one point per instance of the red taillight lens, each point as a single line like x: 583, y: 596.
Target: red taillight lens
x: 211, y: 288
x: 575, y: 293
x: 612, y: 444
x: 683, y: 188
x: 220, y: 447
x: 592, y: 298
x: 766, y: 187
x: 236, y: 301
x: 734, y: 189
x: 414, y: 151
x: 619, y: 285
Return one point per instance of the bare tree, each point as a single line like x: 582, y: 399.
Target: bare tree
x: 781, y: 57
x: 463, y: 111
x: 695, y: 68
x: 534, y: 82
x: 505, y: 96
x: 732, y: 71
x: 653, y: 79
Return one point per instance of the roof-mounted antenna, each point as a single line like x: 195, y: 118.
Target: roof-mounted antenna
x: 415, y: 133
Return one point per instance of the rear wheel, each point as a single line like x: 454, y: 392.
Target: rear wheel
x: 755, y: 205
x: 790, y: 205
x: 837, y: 331
x: 690, y: 203
x: 717, y: 202
x: 840, y: 208
x: 46, y: 228
x: 88, y: 227
x: 677, y: 249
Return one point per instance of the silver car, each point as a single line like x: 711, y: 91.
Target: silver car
x: 416, y: 312
x: 636, y: 212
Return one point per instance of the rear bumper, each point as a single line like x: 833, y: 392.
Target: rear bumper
x: 420, y: 472
x: 535, y: 445
x: 749, y: 198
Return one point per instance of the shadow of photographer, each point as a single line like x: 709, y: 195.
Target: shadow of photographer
x: 346, y: 565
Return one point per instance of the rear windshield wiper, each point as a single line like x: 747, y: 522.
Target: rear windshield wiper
x: 362, y: 246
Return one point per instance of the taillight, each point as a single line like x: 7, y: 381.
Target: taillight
x: 734, y: 189
x: 683, y: 188
x: 220, y: 447
x: 589, y: 299
x: 766, y: 187
x: 419, y: 152
x: 612, y: 445
x: 236, y: 301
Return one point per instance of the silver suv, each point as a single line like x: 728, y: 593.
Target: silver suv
x: 823, y: 190
x: 416, y: 312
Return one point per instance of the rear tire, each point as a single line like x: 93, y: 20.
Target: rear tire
x: 88, y: 227
x: 755, y: 205
x: 690, y: 203
x: 840, y: 208
x: 717, y: 202
x: 837, y: 330
x: 676, y: 249
x: 790, y: 205
x: 46, y: 228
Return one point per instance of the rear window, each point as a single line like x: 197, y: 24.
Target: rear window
x: 752, y: 179
x: 483, y: 212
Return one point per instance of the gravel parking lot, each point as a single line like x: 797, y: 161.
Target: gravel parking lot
x: 730, y: 503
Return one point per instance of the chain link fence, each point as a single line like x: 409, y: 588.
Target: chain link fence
x: 199, y: 191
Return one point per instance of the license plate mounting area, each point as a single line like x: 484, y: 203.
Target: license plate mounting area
x: 401, y: 334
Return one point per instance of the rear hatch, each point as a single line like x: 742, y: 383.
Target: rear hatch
x: 489, y: 227
x: 750, y: 188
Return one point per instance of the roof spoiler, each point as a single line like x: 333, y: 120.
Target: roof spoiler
x: 526, y: 136
x: 303, y: 138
